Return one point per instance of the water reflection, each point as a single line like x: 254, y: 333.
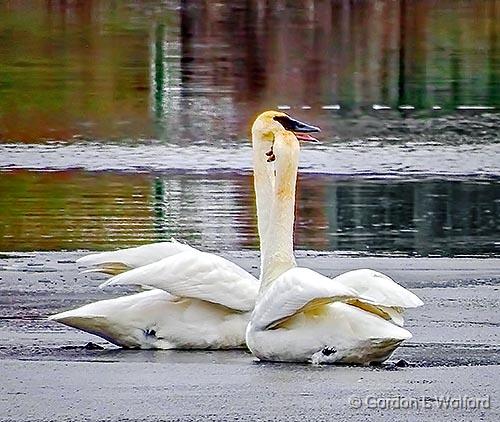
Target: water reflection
x: 353, y: 53
x: 170, y: 86
x: 194, y: 70
x: 71, y: 210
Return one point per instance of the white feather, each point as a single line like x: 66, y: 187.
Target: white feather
x: 283, y: 328
x: 137, y: 256
x: 204, y: 301
x: 198, y: 275
x: 378, y: 288
x: 291, y: 292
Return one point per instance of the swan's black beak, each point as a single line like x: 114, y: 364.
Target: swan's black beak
x: 300, y: 129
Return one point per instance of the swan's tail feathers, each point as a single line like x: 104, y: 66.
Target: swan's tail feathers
x: 376, y: 338
x: 123, y: 321
x: 99, y: 325
x: 116, y: 262
x: 74, y: 318
x: 382, y: 348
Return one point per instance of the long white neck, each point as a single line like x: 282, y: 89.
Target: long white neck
x: 263, y: 174
x: 277, y: 243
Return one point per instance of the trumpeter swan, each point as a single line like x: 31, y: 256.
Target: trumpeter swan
x: 301, y: 315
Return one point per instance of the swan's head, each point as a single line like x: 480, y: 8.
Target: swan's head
x: 269, y: 123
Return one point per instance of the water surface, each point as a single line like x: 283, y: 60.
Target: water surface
x: 123, y: 122
x: 89, y: 210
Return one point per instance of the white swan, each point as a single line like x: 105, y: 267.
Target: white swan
x: 200, y: 300
x: 206, y: 304
x: 300, y: 315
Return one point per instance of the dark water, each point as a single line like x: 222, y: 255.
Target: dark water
x: 127, y: 122
x: 68, y: 210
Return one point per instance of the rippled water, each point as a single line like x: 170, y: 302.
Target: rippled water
x: 69, y: 210
x: 126, y: 122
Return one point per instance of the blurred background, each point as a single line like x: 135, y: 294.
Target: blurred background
x: 127, y: 122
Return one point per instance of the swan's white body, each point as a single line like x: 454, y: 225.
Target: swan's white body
x: 155, y: 319
x: 300, y: 315
x: 306, y: 317
x: 203, y: 301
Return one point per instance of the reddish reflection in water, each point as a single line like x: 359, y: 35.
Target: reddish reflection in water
x: 198, y: 69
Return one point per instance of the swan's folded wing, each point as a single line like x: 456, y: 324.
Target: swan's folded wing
x: 378, y: 289
x: 198, y: 275
x: 296, y: 290
x: 388, y: 298
x: 115, y: 262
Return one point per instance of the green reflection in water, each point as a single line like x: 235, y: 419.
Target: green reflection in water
x: 75, y: 68
x: 71, y: 210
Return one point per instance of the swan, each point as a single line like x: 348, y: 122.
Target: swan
x: 196, y: 300
x: 301, y: 315
x: 206, y: 304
